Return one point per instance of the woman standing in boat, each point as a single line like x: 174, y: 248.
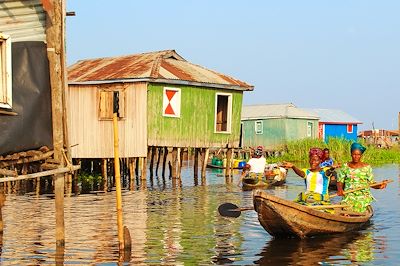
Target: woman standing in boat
x: 356, y: 174
x: 317, y: 181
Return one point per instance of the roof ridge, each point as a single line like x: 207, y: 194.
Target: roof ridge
x: 162, y: 52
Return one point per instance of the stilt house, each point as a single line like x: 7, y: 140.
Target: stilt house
x: 32, y: 83
x: 164, y: 101
x: 273, y: 125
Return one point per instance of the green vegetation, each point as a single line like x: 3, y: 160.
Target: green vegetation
x: 339, y: 150
x: 89, y: 181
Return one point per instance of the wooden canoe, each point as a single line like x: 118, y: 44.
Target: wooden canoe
x: 251, y: 183
x: 283, y: 218
x: 209, y: 165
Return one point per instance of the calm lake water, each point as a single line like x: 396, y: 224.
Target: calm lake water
x: 172, y: 225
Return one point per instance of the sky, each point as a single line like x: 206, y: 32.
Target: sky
x: 342, y: 54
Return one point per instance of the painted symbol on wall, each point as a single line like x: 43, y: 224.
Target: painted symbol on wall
x: 172, y: 102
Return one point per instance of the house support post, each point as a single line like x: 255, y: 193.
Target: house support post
x: 173, y: 162
x: 104, y: 174
x: 164, y: 161
x: 179, y: 163
x: 228, y: 162
x: 205, y: 155
x: 196, y: 162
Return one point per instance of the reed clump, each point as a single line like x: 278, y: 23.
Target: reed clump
x: 297, y: 151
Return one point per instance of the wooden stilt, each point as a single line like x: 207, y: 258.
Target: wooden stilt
x: 205, y: 155
x: 228, y: 162
x: 164, y: 161
x: 132, y: 165
x: 144, y: 169
x: 159, y: 150
x: 104, y: 174
x: 152, y: 155
x: 196, y: 162
x: 173, y: 162
x: 179, y: 163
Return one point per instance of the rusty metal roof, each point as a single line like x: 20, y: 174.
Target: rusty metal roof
x: 161, y: 66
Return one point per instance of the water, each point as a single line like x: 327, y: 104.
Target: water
x: 172, y: 225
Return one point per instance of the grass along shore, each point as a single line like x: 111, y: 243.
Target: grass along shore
x: 297, y: 151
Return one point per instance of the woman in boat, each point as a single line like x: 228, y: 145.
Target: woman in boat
x: 327, y: 161
x: 356, y: 174
x: 317, y: 181
x: 255, y: 167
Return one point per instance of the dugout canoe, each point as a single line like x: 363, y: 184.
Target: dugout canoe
x: 251, y: 183
x: 285, y: 218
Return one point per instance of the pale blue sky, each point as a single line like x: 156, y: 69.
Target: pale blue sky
x: 340, y: 54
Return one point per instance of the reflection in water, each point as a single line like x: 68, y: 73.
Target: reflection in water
x: 175, y: 223
x: 319, y: 250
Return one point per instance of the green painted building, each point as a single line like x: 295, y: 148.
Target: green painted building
x: 164, y: 101
x: 273, y: 125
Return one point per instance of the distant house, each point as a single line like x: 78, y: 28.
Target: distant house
x: 165, y: 101
x: 273, y: 125
x: 336, y: 123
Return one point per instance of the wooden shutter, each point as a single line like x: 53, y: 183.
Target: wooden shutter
x: 106, y: 105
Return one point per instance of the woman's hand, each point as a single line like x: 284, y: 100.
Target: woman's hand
x: 337, y: 165
x: 340, y: 192
x: 287, y: 165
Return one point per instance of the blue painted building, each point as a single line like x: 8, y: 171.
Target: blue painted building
x: 336, y: 123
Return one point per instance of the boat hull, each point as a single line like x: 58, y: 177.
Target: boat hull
x: 248, y: 183
x: 284, y: 218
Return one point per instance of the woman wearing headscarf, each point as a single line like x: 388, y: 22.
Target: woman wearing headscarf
x: 316, y: 180
x: 356, y: 174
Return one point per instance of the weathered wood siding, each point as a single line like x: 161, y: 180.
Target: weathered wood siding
x: 276, y: 132
x: 195, y: 127
x: 94, y: 137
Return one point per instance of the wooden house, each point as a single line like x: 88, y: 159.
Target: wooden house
x: 273, y: 125
x: 164, y: 100
x: 336, y: 124
x: 34, y: 140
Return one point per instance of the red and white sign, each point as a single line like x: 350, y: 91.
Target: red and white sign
x: 172, y: 102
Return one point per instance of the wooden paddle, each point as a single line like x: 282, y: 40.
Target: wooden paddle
x: 231, y: 210
x: 364, y: 187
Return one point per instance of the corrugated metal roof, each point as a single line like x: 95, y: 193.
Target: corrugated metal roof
x: 161, y: 66
x: 334, y: 116
x: 288, y: 110
x: 23, y: 20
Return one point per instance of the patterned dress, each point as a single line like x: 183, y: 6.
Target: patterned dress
x: 317, y: 188
x: 355, y: 178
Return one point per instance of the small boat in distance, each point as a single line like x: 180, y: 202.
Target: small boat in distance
x: 285, y: 218
x: 273, y: 176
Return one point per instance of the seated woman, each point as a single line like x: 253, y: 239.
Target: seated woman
x: 316, y: 180
x: 254, y: 168
x: 353, y: 175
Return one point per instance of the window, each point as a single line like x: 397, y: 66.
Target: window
x: 106, y: 103
x: 5, y: 72
x: 258, y: 127
x: 349, y: 128
x: 223, y: 112
x: 309, y: 129
x: 172, y: 102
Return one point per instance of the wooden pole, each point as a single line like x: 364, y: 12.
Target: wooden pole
x: 228, y: 162
x: 152, y: 155
x: 196, y: 162
x: 179, y: 163
x: 118, y: 184
x: 164, y: 161
x: 104, y: 174
x: 174, y: 159
x: 205, y: 161
x: 158, y: 159
x: 132, y: 165
x: 143, y: 175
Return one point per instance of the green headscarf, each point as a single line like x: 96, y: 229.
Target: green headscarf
x: 357, y: 146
